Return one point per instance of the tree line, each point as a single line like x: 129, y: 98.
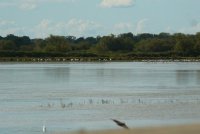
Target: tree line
x: 128, y: 44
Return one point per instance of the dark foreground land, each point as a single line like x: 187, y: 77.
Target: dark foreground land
x: 184, y: 129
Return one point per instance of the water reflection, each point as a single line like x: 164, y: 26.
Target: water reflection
x: 198, y: 77
x: 109, y: 74
x: 58, y: 74
x: 188, y: 77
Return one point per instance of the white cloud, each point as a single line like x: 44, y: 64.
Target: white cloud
x: 169, y: 30
x: 6, y: 22
x: 29, y: 4
x: 136, y: 28
x: 192, y: 29
x: 75, y: 27
x: 44, y: 24
x: 8, y: 27
x: 140, y: 26
x: 123, y: 27
x: 82, y: 26
x: 116, y: 3
x: 6, y: 4
x: 42, y: 29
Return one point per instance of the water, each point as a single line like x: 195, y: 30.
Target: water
x: 71, y: 96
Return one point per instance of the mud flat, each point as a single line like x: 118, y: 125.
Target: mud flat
x: 183, y: 129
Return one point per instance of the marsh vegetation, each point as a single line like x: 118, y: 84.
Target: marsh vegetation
x: 124, y: 46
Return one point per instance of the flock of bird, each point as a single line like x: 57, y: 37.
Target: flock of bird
x: 119, y: 123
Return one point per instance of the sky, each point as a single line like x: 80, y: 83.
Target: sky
x: 83, y: 18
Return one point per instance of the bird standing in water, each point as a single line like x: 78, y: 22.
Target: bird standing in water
x: 44, y: 129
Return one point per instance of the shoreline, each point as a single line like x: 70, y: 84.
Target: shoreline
x: 176, y: 129
x: 94, y: 59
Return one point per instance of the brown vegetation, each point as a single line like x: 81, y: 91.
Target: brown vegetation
x: 184, y: 129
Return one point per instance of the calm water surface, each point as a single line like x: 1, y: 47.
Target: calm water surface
x: 73, y: 96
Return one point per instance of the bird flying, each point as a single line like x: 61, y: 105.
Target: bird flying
x: 121, y: 124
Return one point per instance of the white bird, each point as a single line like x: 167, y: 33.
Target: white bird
x: 44, y: 129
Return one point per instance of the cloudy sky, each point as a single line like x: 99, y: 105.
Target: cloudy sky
x: 40, y: 18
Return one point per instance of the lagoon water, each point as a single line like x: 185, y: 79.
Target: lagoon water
x: 72, y: 96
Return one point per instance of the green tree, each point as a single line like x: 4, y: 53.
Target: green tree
x: 19, y: 41
x: 163, y: 35
x: 39, y: 45
x: 112, y: 43
x: 154, y: 45
x: 126, y: 35
x: 7, y: 45
x: 197, y: 43
x: 57, y: 44
x: 102, y: 45
x: 184, y: 44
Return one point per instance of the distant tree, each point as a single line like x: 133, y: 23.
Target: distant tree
x: 197, y: 43
x: 11, y: 37
x: 7, y: 45
x: 112, y: 43
x: 91, y: 40
x: 178, y: 43
x: 126, y: 35
x: 144, y: 36
x: 39, y: 45
x: 57, y: 44
x: 70, y: 39
x: 163, y: 35
x: 81, y: 39
x: 102, y: 45
x: 154, y: 45
x: 84, y: 45
x: 19, y: 41
x: 126, y: 43
x: 184, y: 44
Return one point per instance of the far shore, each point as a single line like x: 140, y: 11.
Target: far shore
x: 182, y: 129
x: 98, y: 59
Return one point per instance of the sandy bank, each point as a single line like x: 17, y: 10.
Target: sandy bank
x: 184, y: 129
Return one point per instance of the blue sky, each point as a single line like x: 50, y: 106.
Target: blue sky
x: 40, y: 18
